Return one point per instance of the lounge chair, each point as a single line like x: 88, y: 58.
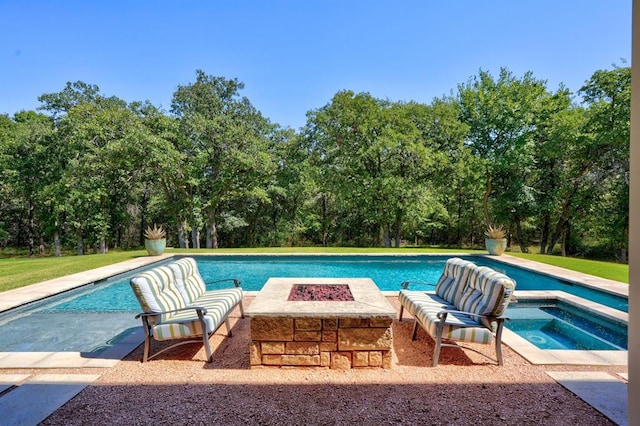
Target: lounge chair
x: 467, y: 306
x: 176, y: 305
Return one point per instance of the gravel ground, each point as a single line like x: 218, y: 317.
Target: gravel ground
x: 179, y: 388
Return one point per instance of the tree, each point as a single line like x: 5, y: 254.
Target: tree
x: 370, y: 157
x: 502, y: 116
x: 608, y: 96
x: 100, y: 153
x: 9, y: 203
x: 446, y: 186
x: 283, y: 217
x: 29, y: 168
x: 560, y: 170
x: 163, y: 183
x: 224, y: 138
x: 74, y: 94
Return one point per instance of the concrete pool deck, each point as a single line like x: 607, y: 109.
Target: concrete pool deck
x: 63, y: 387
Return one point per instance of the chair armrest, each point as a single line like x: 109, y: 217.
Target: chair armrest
x: 405, y: 284
x: 187, y: 308
x: 236, y: 282
x: 442, y: 315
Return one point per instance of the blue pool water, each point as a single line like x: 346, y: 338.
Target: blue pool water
x: 88, y: 319
x: 553, y: 324
x: 386, y: 271
x: 108, y: 308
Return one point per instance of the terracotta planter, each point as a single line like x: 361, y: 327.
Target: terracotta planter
x: 495, y: 247
x: 155, y: 247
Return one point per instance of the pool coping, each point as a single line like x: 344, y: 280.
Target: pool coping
x: 34, y: 292
x: 21, y: 296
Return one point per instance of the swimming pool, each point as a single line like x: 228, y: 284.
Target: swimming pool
x: 108, y: 307
x: 554, y: 324
x: 88, y: 319
x: 386, y: 271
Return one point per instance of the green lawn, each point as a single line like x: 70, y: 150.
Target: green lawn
x: 610, y: 270
x: 21, y: 271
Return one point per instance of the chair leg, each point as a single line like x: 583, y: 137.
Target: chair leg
x: 207, y: 347
x: 241, y: 309
x: 147, y: 345
x: 227, y: 323
x: 205, y: 336
x: 415, y: 330
x: 436, y: 350
x: 499, y: 341
x: 148, y: 335
x: 401, y: 311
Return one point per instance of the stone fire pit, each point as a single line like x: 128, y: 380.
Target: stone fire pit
x: 320, y: 293
x: 328, y: 333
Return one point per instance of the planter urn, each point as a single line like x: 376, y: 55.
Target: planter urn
x: 495, y: 246
x: 155, y: 247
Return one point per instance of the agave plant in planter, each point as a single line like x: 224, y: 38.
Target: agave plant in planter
x: 155, y: 241
x: 495, y: 240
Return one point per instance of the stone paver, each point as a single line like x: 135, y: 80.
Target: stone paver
x: 38, y: 397
x: 602, y: 391
x: 9, y: 380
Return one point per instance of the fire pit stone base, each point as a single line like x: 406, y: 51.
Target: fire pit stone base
x: 338, y: 334
x: 340, y: 343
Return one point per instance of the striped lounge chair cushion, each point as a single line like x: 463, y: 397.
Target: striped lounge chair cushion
x: 458, y: 327
x: 188, y: 279
x: 186, y: 323
x: 488, y: 293
x: 156, y: 291
x: 453, y: 280
x: 425, y: 307
x: 414, y: 301
x: 227, y: 298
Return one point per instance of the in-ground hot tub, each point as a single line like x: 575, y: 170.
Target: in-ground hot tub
x: 329, y: 333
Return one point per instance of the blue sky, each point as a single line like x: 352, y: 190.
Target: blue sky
x: 293, y: 56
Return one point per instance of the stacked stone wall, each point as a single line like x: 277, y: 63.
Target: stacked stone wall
x: 337, y: 343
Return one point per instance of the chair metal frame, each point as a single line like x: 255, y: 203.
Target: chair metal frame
x: 442, y: 317
x: 201, y: 312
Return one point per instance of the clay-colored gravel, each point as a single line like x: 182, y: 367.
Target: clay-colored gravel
x: 180, y: 388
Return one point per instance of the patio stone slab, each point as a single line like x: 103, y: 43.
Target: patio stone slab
x: 601, y: 390
x: 9, y: 380
x: 37, y: 398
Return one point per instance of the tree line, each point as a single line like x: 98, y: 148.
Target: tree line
x: 88, y: 172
